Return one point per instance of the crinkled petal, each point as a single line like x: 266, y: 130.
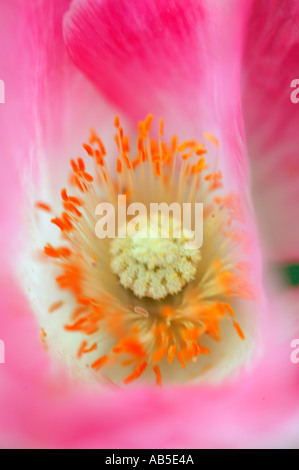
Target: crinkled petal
x: 178, y: 60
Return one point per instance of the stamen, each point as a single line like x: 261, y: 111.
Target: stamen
x: 137, y: 373
x: 97, y: 365
x: 180, y: 359
x: 239, y: 331
x: 165, y: 300
x: 43, y: 206
x: 171, y: 353
x: 158, y: 375
x: 55, y: 306
x: 152, y: 266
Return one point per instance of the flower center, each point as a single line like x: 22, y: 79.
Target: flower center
x: 151, y: 265
x: 141, y: 321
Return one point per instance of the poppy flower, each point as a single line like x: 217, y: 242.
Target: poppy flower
x: 187, y: 348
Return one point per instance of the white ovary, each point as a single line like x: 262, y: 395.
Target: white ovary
x: 152, y: 262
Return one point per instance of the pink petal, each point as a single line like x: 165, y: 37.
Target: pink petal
x: 41, y: 408
x: 48, y: 112
x: 17, y: 123
x: 20, y: 130
x: 178, y: 59
x: 271, y: 119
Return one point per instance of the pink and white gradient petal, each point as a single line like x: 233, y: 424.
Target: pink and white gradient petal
x: 270, y: 64
x: 49, y: 109
x: 175, y: 59
x: 39, y: 405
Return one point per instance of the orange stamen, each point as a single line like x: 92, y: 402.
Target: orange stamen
x: 88, y: 149
x: 119, y: 166
x: 56, y: 252
x: 239, y: 331
x: 43, y: 206
x: 94, y: 138
x: 180, y: 359
x: 229, y: 309
x: 148, y: 122
x: 99, y: 363
x: 55, y: 306
x: 212, y: 138
x: 158, y: 355
x: 81, y: 164
x: 171, y: 353
x: 161, y: 127
x: 92, y: 348
x: 137, y: 373
x: 81, y: 349
x: 202, y: 350
x: 184, y: 145
x: 157, y: 169
x: 174, y: 143
x: 157, y: 371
